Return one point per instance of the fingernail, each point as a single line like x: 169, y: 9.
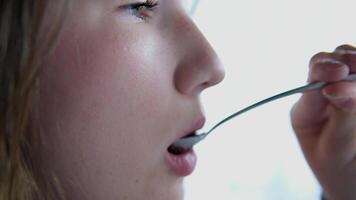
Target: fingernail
x: 348, y: 54
x: 330, y: 70
x: 334, y: 97
x: 332, y: 65
x: 346, y: 51
x: 331, y: 61
x: 343, y: 102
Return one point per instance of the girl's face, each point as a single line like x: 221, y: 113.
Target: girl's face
x: 122, y: 86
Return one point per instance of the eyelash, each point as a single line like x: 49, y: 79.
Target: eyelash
x: 141, y: 9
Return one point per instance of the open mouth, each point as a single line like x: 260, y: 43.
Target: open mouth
x: 180, y: 158
x: 176, y: 150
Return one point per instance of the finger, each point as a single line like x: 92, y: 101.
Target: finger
x: 342, y: 95
x: 309, y: 111
x: 329, y: 71
x: 327, y: 67
x: 319, y: 57
x: 339, y: 141
x: 348, y: 55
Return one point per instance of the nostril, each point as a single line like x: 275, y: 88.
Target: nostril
x: 216, y: 77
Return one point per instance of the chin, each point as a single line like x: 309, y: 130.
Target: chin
x: 175, y: 192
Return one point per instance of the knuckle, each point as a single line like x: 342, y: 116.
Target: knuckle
x: 345, y: 48
x: 348, y: 55
x: 326, y: 58
x: 320, y: 55
x: 317, y: 57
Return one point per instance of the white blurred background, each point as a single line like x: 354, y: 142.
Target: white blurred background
x: 265, y: 47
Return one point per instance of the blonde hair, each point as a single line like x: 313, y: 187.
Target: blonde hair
x: 25, y: 40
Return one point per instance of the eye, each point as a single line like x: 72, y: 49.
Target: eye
x: 142, y: 10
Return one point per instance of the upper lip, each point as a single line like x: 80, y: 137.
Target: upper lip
x: 196, y: 125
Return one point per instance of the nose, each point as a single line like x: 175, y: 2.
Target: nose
x: 199, y: 66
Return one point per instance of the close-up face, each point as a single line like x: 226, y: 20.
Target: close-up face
x: 123, y: 84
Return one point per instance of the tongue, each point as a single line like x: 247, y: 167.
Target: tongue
x: 176, y: 150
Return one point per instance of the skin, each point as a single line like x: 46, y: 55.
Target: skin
x: 118, y: 91
x: 325, y: 123
x: 121, y: 88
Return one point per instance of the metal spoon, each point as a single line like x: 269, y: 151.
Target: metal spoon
x: 188, y: 142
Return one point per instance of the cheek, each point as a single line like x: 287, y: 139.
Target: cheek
x: 108, y: 73
x: 101, y: 98
x: 100, y: 80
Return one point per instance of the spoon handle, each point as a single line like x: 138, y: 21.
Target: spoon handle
x: 187, y: 142
x: 306, y: 88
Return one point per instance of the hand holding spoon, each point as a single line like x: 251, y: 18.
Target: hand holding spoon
x: 188, y: 142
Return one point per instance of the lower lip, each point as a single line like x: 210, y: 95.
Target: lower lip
x: 183, y: 164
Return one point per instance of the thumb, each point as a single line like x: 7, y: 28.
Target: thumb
x: 309, y: 111
x: 342, y: 95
